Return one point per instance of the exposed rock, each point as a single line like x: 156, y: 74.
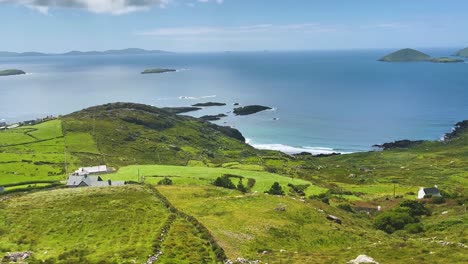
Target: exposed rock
x: 363, y: 259
x: 459, y: 128
x: 11, y: 72
x: 157, y: 70
x: 336, y: 219
x: 399, y: 144
x: 17, y: 256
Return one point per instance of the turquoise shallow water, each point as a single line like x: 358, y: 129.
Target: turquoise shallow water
x: 324, y: 101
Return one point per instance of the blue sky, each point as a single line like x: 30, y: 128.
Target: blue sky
x: 219, y: 25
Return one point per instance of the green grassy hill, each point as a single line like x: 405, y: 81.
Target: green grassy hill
x: 193, y: 221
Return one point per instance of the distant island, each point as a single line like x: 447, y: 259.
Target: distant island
x: 210, y: 104
x: 406, y: 55
x: 11, y: 72
x: 250, y: 109
x: 446, y: 60
x: 462, y: 53
x: 411, y: 55
x: 130, y: 51
x: 157, y: 70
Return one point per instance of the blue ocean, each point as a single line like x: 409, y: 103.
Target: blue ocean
x: 323, y: 101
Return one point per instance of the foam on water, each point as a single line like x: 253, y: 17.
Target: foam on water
x: 294, y: 150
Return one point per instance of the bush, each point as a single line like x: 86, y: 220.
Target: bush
x: 251, y: 183
x: 298, y: 189
x: 346, y: 207
x: 165, y: 181
x: 438, y: 200
x: 225, y: 182
x: 415, y: 208
x: 326, y: 200
x: 391, y: 221
x: 276, y: 189
x: 414, y: 228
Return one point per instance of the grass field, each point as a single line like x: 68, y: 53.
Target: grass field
x: 32, y: 153
x: 197, y: 176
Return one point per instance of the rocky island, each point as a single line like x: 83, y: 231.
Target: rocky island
x: 209, y: 104
x: 11, y: 72
x: 446, y: 60
x: 180, y: 110
x: 157, y: 70
x: 406, y: 55
x: 213, y: 117
x: 250, y: 109
x: 462, y: 53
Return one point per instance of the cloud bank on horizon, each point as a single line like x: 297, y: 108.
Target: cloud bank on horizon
x: 115, y: 7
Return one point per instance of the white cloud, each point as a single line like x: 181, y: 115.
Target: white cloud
x: 96, y: 6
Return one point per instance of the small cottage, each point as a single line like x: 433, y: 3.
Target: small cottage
x: 433, y: 191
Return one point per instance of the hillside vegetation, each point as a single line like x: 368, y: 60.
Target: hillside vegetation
x: 176, y: 212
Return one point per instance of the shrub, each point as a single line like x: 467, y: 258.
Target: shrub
x: 346, y: 207
x: 326, y: 200
x: 225, y: 182
x: 438, y: 200
x: 391, y: 221
x: 251, y: 183
x: 414, y: 228
x: 416, y: 208
x: 165, y: 181
x: 276, y: 189
x: 298, y: 189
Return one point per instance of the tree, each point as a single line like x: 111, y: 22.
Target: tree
x: 415, y: 208
x: 276, y: 189
x: 241, y: 187
x: 225, y: 182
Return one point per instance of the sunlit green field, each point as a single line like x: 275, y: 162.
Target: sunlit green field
x: 197, y: 176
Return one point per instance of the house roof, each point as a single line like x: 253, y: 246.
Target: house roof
x: 91, y: 170
x: 432, y: 191
x: 88, y: 180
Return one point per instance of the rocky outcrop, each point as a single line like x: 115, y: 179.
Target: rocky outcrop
x: 180, y: 110
x: 399, y: 144
x: 209, y: 104
x: 459, y: 128
x: 213, y: 117
x: 11, y: 72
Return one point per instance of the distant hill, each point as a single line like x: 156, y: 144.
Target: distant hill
x: 130, y: 51
x: 462, y: 53
x: 406, y: 55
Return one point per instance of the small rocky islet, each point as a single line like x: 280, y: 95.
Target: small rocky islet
x: 157, y: 70
x: 250, y: 109
x: 11, y: 72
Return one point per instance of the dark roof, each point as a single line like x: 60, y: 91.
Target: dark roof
x: 432, y: 191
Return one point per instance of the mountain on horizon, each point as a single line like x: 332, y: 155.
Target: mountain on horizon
x: 129, y: 51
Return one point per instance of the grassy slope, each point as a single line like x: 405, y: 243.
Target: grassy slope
x: 32, y: 153
x: 247, y: 225
x: 117, y: 224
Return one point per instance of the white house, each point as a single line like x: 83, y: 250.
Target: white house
x: 433, y: 191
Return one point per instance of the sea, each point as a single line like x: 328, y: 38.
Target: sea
x: 323, y: 101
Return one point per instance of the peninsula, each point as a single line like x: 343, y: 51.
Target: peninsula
x: 462, y: 53
x: 130, y: 51
x: 250, y: 109
x: 11, y: 72
x: 446, y: 60
x: 157, y: 70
